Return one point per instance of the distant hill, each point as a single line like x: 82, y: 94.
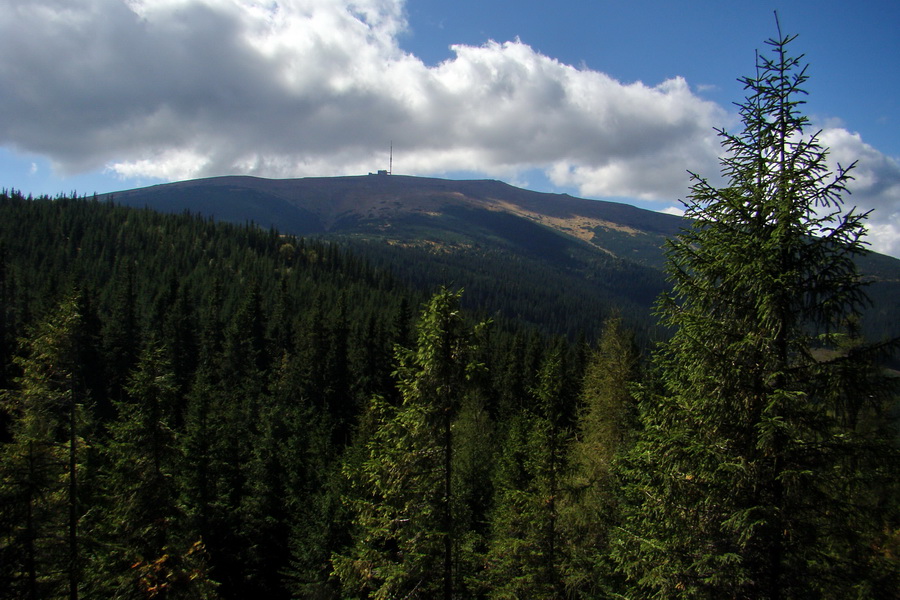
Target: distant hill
x: 559, y: 262
x: 399, y: 207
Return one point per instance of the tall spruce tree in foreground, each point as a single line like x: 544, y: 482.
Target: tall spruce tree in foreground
x: 749, y: 480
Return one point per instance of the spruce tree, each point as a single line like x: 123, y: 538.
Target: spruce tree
x: 121, y: 333
x: 527, y: 549
x: 307, y: 468
x: 403, y: 494
x: 606, y: 429
x: 747, y: 482
x: 42, y: 467
x: 144, y: 550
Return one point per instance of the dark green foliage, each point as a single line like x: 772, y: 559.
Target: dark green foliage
x: 749, y: 479
x: 527, y: 549
x: 142, y: 545
x: 406, y: 537
x: 121, y: 335
x: 228, y: 406
x: 45, y: 461
x: 606, y: 427
x: 225, y: 374
x: 516, y: 291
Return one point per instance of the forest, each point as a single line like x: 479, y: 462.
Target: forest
x: 193, y: 409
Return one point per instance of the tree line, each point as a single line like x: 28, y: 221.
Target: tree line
x: 200, y: 410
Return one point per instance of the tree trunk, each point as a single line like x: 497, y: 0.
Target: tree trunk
x: 448, y: 515
x: 73, y: 506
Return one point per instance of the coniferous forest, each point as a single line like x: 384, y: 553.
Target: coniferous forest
x: 193, y: 409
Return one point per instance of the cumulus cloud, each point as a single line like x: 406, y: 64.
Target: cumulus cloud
x: 175, y: 89
x: 875, y: 187
x: 185, y: 88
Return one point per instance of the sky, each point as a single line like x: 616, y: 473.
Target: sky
x: 606, y: 99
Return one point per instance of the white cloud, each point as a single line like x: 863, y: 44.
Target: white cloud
x: 673, y: 210
x: 174, y: 89
x: 876, y: 186
x: 186, y: 88
x: 884, y: 235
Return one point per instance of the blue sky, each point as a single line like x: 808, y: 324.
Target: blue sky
x: 852, y: 50
x: 601, y: 99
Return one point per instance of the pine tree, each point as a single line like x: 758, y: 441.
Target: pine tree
x: 227, y: 409
x: 306, y: 469
x: 144, y: 549
x: 606, y: 428
x: 405, y: 531
x: 7, y: 327
x: 43, y: 464
x: 179, y: 339
x: 525, y: 557
x: 746, y: 482
x: 121, y: 333
x: 474, y: 449
x: 514, y: 558
x: 264, y: 506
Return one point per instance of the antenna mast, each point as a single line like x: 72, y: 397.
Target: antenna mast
x: 391, y: 163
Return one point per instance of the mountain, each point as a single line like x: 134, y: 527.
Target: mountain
x: 559, y: 262
x: 402, y: 208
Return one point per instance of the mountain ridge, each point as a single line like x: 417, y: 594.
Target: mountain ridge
x: 371, y: 203
x: 532, y: 256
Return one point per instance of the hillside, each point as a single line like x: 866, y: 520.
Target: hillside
x: 399, y: 208
x: 551, y: 260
